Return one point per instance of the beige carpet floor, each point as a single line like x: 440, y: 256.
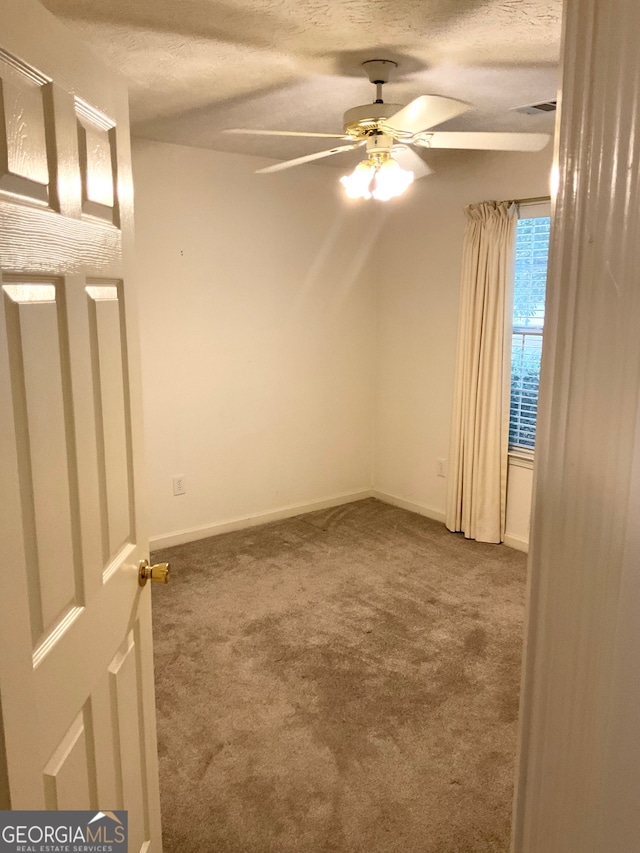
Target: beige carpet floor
x: 341, y: 682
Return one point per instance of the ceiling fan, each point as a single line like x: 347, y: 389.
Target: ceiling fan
x: 388, y: 129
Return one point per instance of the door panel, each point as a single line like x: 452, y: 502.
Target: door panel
x: 69, y: 777
x: 98, y: 159
x: 23, y: 149
x: 76, y: 680
x: 108, y: 353
x: 48, y: 485
x: 123, y: 684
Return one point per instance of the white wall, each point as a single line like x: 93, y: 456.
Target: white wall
x: 257, y: 310
x: 519, y: 497
x: 417, y: 316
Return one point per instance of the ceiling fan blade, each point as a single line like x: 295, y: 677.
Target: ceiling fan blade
x: 245, y: 131
x: 410, y: 161
x: 424, y: 112
x: 485, y: 141
x: 287, y: 164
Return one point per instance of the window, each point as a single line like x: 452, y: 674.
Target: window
x: 532, y: 250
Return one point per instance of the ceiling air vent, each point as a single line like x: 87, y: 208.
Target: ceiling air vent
x: 534, y: 109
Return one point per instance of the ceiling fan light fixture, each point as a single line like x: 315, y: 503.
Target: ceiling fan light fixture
x: 391, y: 180
x: 358, y: 183
x: 380, y: 177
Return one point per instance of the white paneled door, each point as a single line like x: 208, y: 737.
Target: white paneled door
x: 76, y: 681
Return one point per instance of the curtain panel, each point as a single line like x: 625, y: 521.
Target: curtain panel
x: 478, y: 455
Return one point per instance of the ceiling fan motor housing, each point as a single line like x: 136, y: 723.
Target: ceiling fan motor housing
x: 363, y: 120
x: 379, y: 147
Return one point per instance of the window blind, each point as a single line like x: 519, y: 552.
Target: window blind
x: 532, y: 250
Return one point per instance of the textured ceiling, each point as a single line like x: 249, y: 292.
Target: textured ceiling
x: 195, y: 67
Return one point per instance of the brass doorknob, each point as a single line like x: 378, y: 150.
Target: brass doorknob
x: 158, y: 573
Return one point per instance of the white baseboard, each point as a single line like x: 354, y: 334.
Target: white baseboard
x: 421, y: 509
x: 179, y: 537
x: 516, y: 542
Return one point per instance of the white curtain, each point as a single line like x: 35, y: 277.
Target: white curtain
x: 477, y: 487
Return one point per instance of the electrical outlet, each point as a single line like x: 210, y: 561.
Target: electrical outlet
x: 441, y: 467
x: 179, y: 485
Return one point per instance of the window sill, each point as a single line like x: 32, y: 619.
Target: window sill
x: 521, y: 458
